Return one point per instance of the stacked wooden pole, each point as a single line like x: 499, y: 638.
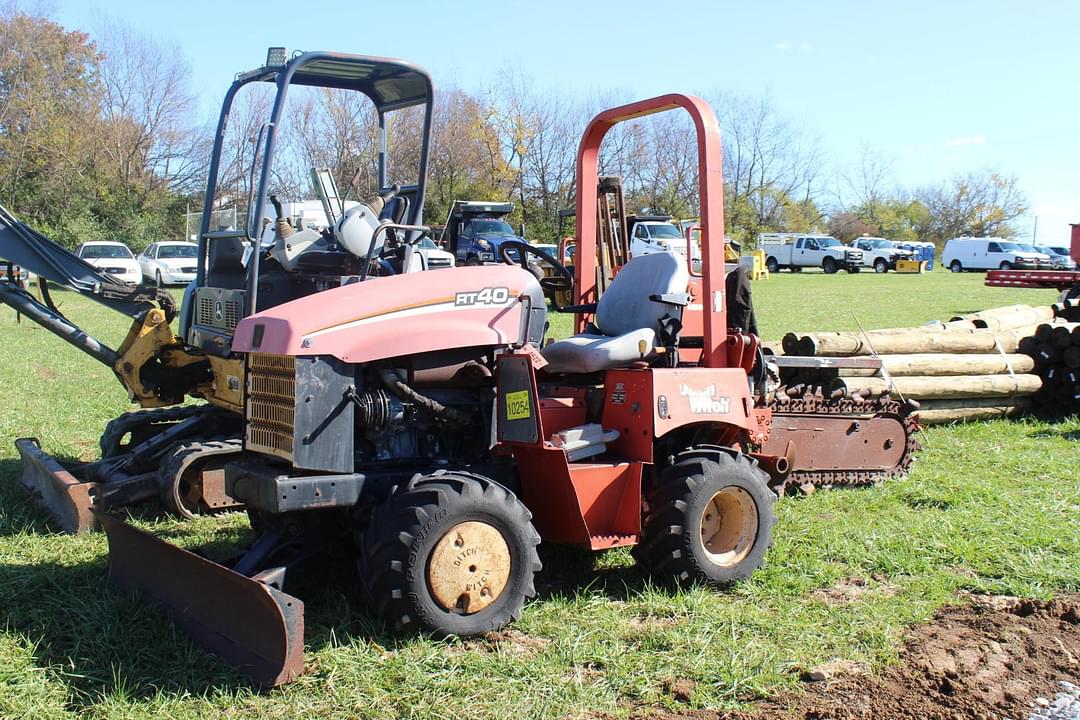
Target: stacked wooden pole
x: 974, y: 366
x: 1055, y: 350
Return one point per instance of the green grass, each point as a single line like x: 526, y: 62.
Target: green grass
x: 990, y: 507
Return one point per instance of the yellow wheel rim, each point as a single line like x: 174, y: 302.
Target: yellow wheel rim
x: 729, y: 526
x: 469, y: 567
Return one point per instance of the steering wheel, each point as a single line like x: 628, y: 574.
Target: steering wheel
x: 562, y: 281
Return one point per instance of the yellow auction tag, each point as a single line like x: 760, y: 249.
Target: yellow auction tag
x: 517, y: 405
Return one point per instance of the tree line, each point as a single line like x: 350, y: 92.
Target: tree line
x: 100, y: 138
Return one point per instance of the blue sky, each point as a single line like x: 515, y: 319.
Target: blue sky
x: 937, y: 87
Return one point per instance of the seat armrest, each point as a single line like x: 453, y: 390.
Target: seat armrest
x: 586, y: 308
x: 678, y: 299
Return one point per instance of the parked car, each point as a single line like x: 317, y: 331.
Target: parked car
x: 113, y: 258
x: 169, y: 263
x: 18, y: 274
x: 968, y: 253
x: 434, y: 257
x: 1059, y: 256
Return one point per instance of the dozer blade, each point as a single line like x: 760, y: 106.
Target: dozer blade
x: 257, y: 628
x: 67, y: 499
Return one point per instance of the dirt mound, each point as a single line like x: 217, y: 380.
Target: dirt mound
x: 989, y: 659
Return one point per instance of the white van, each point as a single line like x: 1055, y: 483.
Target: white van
x: 968, y: 253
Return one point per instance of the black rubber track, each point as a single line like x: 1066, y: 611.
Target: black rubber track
x: 404, y: 529
x: 670, y: 546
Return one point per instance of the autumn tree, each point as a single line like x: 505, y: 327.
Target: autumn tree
x: 49, y: 107
x: 981, y: 204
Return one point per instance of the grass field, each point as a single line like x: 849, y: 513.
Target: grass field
x: 991, y: 507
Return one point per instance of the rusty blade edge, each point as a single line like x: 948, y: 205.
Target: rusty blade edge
x: 253, y: 626
x: 66, y: 498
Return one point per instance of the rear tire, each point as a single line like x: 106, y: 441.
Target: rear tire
x: 450, y: 554
x: 956, y: 267
x: 828, y: 265
x: 772, y: 266
x: 880, y: 266
x: 710, y: 519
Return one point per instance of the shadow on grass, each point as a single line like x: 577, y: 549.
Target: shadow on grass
x: 1073, y: 435
x: 103, y: 642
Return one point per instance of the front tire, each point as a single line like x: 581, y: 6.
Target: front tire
x: 450, y: 554
x: 956, y: 267
x: 880, y: 266
x: 710, y: 519
x: 157, y: 279
x: 472, y: 261
x: 829, y: 266
x: 1006, y: 266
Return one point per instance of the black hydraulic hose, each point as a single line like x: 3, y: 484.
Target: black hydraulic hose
x: 396, y: 385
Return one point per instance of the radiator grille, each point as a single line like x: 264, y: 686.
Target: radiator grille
x: 217, y: 312
x: 271, y: 404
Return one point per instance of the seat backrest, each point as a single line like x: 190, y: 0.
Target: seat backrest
x: 625, y: 305
x: 395, y: 208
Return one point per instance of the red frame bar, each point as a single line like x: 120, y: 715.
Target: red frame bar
x: 711, y: 191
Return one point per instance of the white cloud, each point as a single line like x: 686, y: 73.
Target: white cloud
x: 976, y: 139
x: 782, y: 46
x: 806, y: 47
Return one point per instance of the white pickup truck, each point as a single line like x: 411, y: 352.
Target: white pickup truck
x: 798, y: 250
x: 880, y: 254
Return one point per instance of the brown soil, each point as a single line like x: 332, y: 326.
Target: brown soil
x: 989, y: 659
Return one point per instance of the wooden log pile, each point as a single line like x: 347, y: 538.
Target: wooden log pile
x: 995, y: 363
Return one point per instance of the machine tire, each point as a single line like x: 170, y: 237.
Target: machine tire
x: 701, y: 480
x: 956, y: 267
x: 853, y: 269
x: 472, y: 261
x: 772, y: 266
x: 1005, y: 266
x: 829, y: 265
x: 157, y: 279
x: 412, y: 529
x: 880, y: 266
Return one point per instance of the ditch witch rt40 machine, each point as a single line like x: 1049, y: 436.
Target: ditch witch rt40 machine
x: 417, y: 417
x: 178, y: 453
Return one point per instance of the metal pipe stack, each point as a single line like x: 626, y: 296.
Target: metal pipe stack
x: 1055, y: 349
x: 972, y: 367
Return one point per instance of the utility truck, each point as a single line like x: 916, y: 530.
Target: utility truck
x: 880, y: 254
x: 796, y: 251
x: 475, y: 230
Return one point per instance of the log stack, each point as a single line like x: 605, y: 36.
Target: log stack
x: 994, y: 363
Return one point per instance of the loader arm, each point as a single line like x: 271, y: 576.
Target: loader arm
x: 151, y: 377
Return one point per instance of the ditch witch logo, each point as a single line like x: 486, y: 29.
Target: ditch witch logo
x: 705, y: 401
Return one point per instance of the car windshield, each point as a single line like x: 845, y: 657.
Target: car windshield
x: 1026, y: 247
x: 492, y: 227
x: 428, y: 244
x: 1009, y: 247
x: 827, y: 242
x: 105, y: 251
x: 177, y: 251
x: 664, y: 231
x: 882, y: 244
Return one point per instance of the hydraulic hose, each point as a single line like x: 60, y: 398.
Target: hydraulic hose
x: 396, y: 384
